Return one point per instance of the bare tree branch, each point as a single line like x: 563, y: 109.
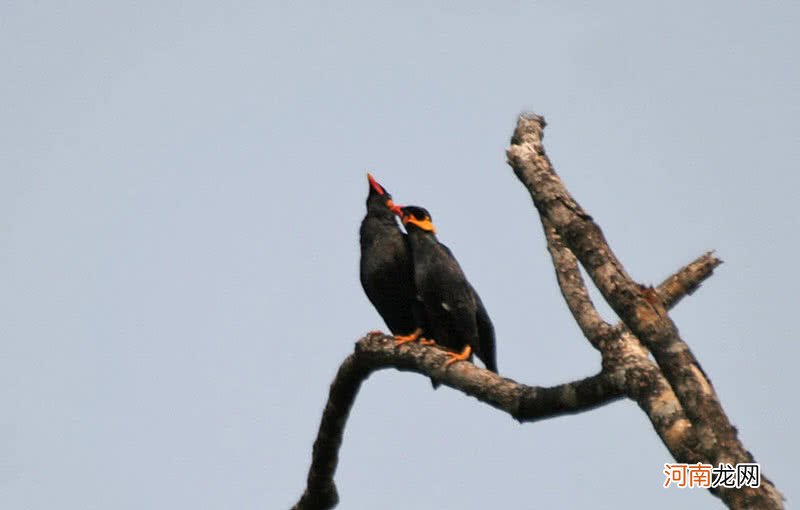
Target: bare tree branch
x: 320, y: 490
x: 686, y: 281
x: 575, y: 293
x: 674, y: 393
x: 624, y: 357
x: 524, y: 403
x: 376, y: 352
x: 631, y: 301
x: 640, y: 308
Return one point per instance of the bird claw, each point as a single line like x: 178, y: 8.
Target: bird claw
x: 403, y: 339
x: 452, y: 357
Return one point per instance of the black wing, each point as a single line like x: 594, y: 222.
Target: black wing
x: 486, y: 345
x: 485, y: 336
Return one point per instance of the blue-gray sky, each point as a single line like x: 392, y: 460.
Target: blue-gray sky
x: 180, y: 192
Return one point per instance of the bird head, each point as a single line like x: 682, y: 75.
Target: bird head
x: 378, y: 193
x: 415, y: 217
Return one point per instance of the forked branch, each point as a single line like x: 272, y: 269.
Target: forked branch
x: 674, y: 392
x: 522, y: 402
x: 640, y: 308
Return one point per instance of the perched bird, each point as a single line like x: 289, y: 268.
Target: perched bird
x: 455, y: 317
x: 387, y: 274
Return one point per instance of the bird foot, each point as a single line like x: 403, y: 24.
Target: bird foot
x: 404, y: 339
x: 427, y: 341
x: 452, y: 357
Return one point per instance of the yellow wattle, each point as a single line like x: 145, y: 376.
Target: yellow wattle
x: 425, y: 224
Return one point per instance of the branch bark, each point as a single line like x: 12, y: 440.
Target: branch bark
x: 674, y: 392
x: 640, y: 308
x: 624, y: 357
x: 522, y: 402
x: 377, y: 352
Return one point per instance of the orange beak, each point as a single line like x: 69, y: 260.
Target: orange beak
x: 397, y: 209
x: 377, y: 187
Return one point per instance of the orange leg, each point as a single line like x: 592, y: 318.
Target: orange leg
x: 402, y: 339
x: 427, y: 341
x: 452, y: 357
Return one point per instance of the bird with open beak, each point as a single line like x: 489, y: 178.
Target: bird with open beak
x: 386, y: 268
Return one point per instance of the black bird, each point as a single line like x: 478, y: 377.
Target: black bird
x: 387, y: 274
x: 455, y: 317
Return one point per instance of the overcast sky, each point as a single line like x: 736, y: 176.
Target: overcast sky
x: 181, y: 186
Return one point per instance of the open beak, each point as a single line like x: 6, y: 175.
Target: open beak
x: 377, y: 187
x: 397, y: 209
